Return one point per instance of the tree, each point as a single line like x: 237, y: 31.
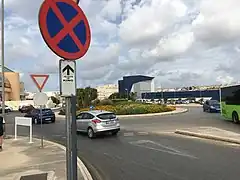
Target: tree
x: 132, y: 96
x: 115, y: 95
x: 85, y: 96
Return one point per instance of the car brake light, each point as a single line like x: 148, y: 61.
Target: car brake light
x: 96, y: 121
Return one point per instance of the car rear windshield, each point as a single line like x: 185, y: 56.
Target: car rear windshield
x: 107, y: 116
x: 214, y: 102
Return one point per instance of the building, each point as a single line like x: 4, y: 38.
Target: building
x: 138, y: 84
x: 214, y: 94
x: 14, y: 89
x: 106, y: 90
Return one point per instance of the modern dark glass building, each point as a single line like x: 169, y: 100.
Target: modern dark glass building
x: 125, y: 85
x: 182, y: 94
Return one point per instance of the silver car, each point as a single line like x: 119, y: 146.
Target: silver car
x: 96, y: 122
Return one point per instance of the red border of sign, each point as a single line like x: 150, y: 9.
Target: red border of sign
x: 46, y: 36
x: 40, y: 87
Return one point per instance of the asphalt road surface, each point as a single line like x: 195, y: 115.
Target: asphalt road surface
x: 138, y: 154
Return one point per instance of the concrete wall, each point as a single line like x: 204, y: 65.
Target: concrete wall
x: 143, y: 87
x: 16, y: 104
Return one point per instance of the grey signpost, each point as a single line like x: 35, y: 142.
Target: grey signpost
x: 70, y: 42
x: 68, y: 90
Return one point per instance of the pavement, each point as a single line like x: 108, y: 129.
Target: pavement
x: 139, y: 154
x: 28, y: 159
x: 211, y: 133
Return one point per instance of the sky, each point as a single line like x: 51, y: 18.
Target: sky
x: 179, y: 42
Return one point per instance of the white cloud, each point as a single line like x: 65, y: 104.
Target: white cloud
x: 181, y: 42
x: 148, y: 21
x: 218, y: 21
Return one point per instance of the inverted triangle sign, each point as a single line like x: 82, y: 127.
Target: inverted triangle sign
x: 40, y: 80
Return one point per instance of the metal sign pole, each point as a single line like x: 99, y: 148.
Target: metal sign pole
x: 41, y: 126
x: 2, y: 68
x: 69, y: 138
x: 74, y: 138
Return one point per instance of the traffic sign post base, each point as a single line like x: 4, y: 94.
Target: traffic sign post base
x: 74, y: 137
x: 69, y: 138
x: 71, y: 132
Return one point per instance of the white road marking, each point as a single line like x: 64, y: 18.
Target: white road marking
x: 142, y: 133
x: 161, y: 148
x: 128, y: 134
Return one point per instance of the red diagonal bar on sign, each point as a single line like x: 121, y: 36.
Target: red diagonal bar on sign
x: 68, y: 27
x: 77, y: 41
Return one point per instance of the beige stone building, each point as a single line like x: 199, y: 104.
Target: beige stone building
x: 106, y: 90
x: 14, y: 89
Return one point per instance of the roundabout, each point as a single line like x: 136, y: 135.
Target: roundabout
x: 147, y: 148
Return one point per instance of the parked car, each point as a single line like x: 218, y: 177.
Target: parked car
x: 8, y: 108
x: 25, y: 108
x: 211, y: 106
x: 97, y: 122
x: 47, y: 115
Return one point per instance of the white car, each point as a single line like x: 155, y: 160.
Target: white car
x: 8, y: 108
x: 97, y: 122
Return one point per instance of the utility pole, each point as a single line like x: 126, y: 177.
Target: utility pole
x: 3, y: 76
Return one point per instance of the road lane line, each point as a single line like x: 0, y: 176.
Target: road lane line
x: 163, y: 148
x: 128, y: 134
x: 142, y: 133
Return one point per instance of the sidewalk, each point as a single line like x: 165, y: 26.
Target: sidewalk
x: 20, y: 158
x: 211, y: 133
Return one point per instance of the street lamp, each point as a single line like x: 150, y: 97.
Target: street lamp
x: 3, y: 76
x: 127, y: 92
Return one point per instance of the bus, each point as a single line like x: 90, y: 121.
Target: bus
x: 230, y: 102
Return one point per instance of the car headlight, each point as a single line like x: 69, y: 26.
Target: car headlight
x: 212, y: 107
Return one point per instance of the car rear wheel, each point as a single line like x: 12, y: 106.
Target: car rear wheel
x: 235, y: 117
x: 90, y: 133
x: 114, y: 133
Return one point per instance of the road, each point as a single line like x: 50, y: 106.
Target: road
x: 138, y: 154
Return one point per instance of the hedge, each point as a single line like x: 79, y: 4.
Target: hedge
x: 127, y: 109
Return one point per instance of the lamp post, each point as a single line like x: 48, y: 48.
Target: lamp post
x: 3, y: 76
x: 127, y: 92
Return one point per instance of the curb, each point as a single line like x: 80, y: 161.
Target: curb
x: 85, y: 173
x: 205, y: 136
x: 177, y: 111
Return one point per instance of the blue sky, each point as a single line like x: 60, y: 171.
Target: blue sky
x: 180, y: 42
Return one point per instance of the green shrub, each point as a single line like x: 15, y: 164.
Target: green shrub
x: 133, y: 108
x: 95, y: 102
x: 106, y: 102
x: 120, y: 100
